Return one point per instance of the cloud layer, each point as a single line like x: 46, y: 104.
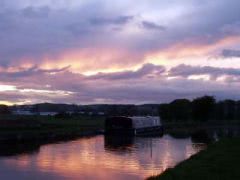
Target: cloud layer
x: 123, y: 52
x: 148, y: 84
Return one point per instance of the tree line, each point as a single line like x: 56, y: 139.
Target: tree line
x: 66, y: 109
x: 200, y: 109
x: 4, y: 109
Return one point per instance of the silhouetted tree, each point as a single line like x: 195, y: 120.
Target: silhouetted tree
x: 181, y: 109
x: 4, y: 109
x: 238, y: 110
x: 165, y: 112
x: 226, y: 110
x: 203, y: 108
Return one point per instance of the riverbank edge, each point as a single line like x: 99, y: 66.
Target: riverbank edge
x: 191, y: 127
x: 32, y: 144
x: 219, y: 161
x: 49, y: 136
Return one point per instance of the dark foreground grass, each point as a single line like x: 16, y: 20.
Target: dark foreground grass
x: 220, y: 161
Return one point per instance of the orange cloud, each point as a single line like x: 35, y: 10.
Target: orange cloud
x: 190, y: 50
x: 93, y: 60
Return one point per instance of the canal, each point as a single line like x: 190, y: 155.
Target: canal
x: 98, y: 158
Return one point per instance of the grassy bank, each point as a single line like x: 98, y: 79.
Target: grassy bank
x: 14, y: 128
x: 220, y: 161
x: 189, y: 127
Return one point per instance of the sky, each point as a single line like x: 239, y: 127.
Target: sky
x: 118, y: 52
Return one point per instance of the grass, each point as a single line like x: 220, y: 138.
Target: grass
x: 187, y: 128
x: 12, y: 126
x: 220, y: 161
x: 53, y: 121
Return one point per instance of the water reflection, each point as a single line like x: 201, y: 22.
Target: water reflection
x: 100, y: 158
x: 119, y: 144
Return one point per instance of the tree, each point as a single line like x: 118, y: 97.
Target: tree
x: 238, y: 110
x: 203, y: 108
x: 226, y: 110
x: 181, y: 109
x: 4, y: 109
x: 165, y: 112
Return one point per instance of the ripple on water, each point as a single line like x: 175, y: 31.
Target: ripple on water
x: 102, y: 158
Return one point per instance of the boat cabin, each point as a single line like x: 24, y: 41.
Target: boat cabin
x: 135, y: 125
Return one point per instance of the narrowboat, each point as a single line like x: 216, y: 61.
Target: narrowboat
x: 139, y: 126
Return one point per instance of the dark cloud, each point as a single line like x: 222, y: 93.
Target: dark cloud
x: 152, y: 26
x: 147, y: 70
x: 35, y: 70
x: 188, y: 70
x: 83, y: 90
x: 33, y: 12
x: 6, y: 22
x: 229, y: 53
x: 121, y: 20
x: 122, y: 87
x: 13, y: 97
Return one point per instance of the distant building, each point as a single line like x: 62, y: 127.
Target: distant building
x: 101, y: 113
x: 48, y: 113
x: 30, y: 113
x: 23, y: 112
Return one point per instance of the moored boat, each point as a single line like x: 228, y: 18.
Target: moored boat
x: 136, y: 125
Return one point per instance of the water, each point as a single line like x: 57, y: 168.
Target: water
x: 98, y: 158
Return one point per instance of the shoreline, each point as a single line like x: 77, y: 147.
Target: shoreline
x: 219, y: 161
x: 38, y: 129
x: 25, y: 144
x: 51, y: 135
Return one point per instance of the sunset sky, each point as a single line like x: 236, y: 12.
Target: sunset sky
x: 122, y: 51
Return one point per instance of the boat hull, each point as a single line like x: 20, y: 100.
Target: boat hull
x: 149, y: 131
